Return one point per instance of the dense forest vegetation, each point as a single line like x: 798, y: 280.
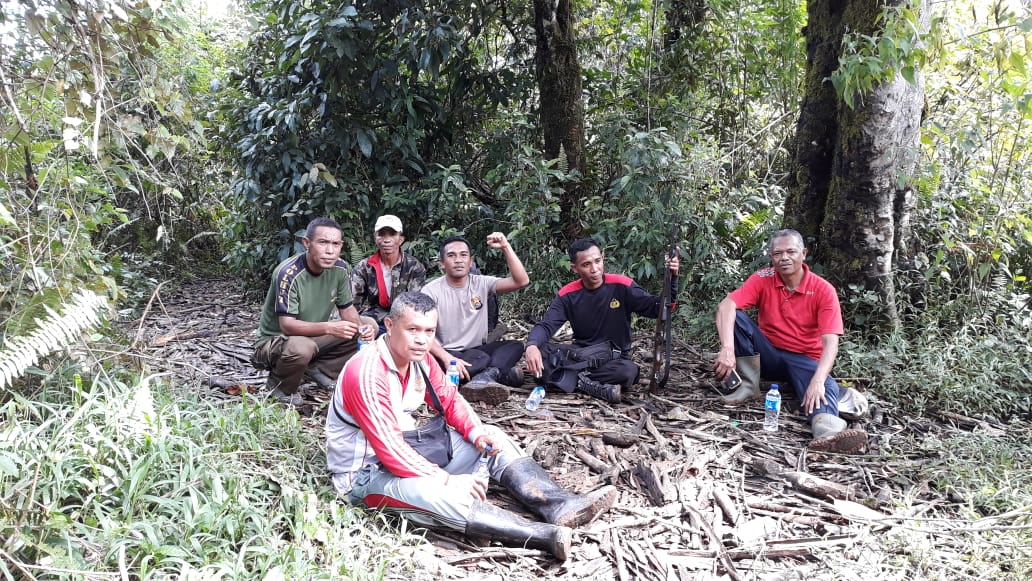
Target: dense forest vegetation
x: 144, y: 143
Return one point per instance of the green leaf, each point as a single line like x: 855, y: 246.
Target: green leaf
x: 1017, y: 63
x: 908, y: 73
x: 8, y: 466
x: 6, y: 218
x: 364, y: 144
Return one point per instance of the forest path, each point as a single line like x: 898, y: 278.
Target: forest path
x: 705, y: 492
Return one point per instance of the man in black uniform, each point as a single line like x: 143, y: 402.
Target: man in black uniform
x: 598, y: 307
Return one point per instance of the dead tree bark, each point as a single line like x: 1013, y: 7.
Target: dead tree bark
x: 850, y: 197
x: 559, y: 83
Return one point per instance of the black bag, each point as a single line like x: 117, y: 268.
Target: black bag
x: 563, y: 362
x: 432, y: 440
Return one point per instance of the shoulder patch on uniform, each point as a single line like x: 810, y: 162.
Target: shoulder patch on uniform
x: 766, y: 272
x: 285, y: 279
x: 571, y: 287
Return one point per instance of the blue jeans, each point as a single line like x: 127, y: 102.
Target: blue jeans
x: 780, y: 365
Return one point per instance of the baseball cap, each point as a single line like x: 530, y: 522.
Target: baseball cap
x: 387, y: 221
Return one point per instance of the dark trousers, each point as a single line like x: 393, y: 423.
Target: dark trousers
x: 780, y: 365
x: 620, y: 370
x: 501, y: 354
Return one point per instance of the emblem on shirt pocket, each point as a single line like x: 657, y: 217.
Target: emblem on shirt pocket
x: 614, y: 304
x: 476, y: 303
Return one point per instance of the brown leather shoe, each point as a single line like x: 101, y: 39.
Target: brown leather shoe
x: 485, y: 387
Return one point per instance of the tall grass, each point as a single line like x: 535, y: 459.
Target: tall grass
x: 962, y: 369
x: 118, y: 479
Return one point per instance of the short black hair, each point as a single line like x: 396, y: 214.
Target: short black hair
x: 321, y: 223
x: 449, y: 240
x: 417, y: 301
x: 578, y: 246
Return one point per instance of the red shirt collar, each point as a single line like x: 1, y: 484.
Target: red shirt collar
x: 803, y: 284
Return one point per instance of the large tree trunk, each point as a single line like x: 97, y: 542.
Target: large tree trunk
x: 851, y: 197
x: 562, y: 110
x: 816, y: 130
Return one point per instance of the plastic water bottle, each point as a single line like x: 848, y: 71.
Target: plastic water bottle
x: 361, y: 342
x: 481, y: 471
x: 534, y: 401
x: 771, y: 409
x: 453, y: 374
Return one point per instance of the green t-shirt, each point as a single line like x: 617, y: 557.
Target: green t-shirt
x: 298, y: 292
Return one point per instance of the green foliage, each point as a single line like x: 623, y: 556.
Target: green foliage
x: 898, y: 47
x: 344, y: 109
x: 981, y: 473
x: 439, y: 132
x: 971, y: 370
x: 177, y: 487
x: 102, y: 151
x: 57, y: 331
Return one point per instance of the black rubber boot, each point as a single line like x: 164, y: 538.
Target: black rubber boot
x: 531, y: 485
x: 488, y: 521
x: 605, y: 391
x: 485, y: 387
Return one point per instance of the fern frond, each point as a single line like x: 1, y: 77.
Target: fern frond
x: 57, y: 330
x: 563, y: 164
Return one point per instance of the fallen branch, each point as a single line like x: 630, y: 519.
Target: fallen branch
x: 722, y: 555
x: 597, y: 466
x: 805, y: 482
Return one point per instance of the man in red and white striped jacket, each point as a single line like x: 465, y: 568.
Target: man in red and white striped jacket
x: 374, y: 401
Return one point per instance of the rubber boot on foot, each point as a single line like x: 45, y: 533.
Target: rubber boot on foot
x: 748, y: 369
x: 534, y: 488
x: 488, y: 521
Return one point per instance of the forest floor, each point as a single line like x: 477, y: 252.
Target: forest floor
x: 705, y: 493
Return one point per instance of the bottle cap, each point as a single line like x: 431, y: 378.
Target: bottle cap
x: 773, y: 386
x: 454, y: 362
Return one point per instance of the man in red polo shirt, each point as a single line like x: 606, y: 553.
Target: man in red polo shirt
x: 796, y: 340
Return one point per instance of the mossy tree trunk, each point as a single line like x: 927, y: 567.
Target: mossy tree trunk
x: 850, y: 195
x: 559, y: 83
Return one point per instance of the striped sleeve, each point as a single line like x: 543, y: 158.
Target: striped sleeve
x: 367, y: 396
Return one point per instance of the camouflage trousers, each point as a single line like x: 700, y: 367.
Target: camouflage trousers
x: 287, y: 358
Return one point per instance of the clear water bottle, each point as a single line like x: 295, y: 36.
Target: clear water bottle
x: 481, y: 471
x: 361, y: 342
x: 534, y: 401
x: 453, y: 374
x: 771, y: 408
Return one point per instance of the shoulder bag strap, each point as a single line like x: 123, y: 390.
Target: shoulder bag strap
x: 426, y: 379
